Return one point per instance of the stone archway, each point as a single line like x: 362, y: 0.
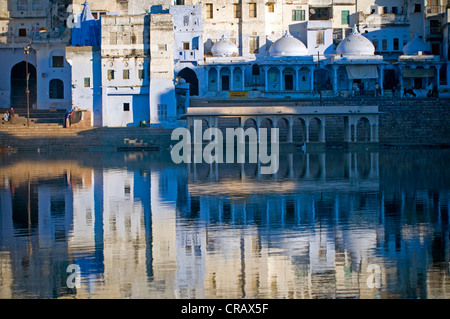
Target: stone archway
x: 18, y: 98
x: 191, y: 78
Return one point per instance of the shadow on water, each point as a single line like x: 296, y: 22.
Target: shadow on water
x: 139, y: 225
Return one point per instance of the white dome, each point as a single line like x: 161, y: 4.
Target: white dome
x: 224, y: 48
x: 355, y: 44
x: 287, y: 46
x: 414, y: 46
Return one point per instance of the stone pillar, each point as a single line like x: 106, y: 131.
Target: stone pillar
x: 307, y: 130
x: 347, y: 132
x: 335, y: 80
x: 438, y: 67
x: 322, y: 129
x: 243, y: 78
x: 281, y: 78
x: 289, y: 129
x: 311, y: 75
x: 232, y: 78
x: 266, y: 78
x: 381, y: 68
x: 297, y: 78
x: 218, y: 78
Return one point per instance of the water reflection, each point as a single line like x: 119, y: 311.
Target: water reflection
x: 139, y: 226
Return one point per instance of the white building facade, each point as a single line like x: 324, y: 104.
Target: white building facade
x: 153, y: 57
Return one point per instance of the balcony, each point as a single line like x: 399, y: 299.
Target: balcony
x: 434, y: 10
x: 187, y: 55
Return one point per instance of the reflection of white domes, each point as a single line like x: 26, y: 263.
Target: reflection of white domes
x: 355, y: 44
x: 287, y: 46
x: 224, y: 48
x: 414, y: 46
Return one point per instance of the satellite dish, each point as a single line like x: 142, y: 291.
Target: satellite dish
x: 312, y: 11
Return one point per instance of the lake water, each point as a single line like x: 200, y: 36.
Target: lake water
x: 135, y: 225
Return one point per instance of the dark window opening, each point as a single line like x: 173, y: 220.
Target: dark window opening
x: 56, y: 89
x: 320, y: 13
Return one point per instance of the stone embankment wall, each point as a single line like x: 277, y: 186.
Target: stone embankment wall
x: 415, y: 122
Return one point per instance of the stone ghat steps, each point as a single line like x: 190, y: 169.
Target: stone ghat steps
x: 54, y: 138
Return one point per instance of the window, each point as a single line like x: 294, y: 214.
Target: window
x: 126, y: 38
x: 37, y: 5
x: 162, y: 112
x: 87, y: 82
x: 186, y: 46
x: 255, y: 74
x: 186, y: 21
x: 253, y: 46
x: 22, y: 32
x: 113, y: 38
x: 396, y: 44
x: 209, y: 11
x: 417, y: 7
x: 141, y: 74
x: 57, y: 61
x: 320, y: 13
x: 126, y: 107
x: 384, y: 45
x: 298, y: 15
x: 385, y: 10
x: 271, y: 7
x: 126, y: 74
x: 110, y: 75
x: 56, y: 89
x: 22, y: 5
x: 345, y: 17
x: 162, y: 47
x: 337, y: 37
x: 237, y: 10
x: 252, y: 10
x: 319, y: 37
x: 395, y: 10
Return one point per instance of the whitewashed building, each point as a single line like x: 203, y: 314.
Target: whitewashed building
x: 153, y: 57
x: 40, y: 24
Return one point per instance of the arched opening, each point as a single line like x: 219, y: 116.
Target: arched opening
x: 273, y: 79
x: 304, y: 79
x: 322, y: 80
x: 289, y: 79
x: 299, y: 130
x: 212, y: 79
x: 266, y: 124
x: 191, y: 78
x: 56, y: 89
x: 18, y: 98
x: 255, y: 74
x: 363, y: 130
x: 314, y: 129
x: 225, y: 75
x: 283, y: 129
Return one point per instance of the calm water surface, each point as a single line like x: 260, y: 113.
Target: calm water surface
x: 328, y: 225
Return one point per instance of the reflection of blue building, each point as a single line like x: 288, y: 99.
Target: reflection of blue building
x: 139, y: 228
